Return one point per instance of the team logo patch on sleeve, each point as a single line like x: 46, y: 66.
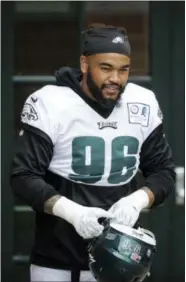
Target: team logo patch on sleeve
x: 139, y: 113
x: 160, y: 114
x: 28, y: 113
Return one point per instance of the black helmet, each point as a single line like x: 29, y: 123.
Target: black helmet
x: 121, y: 254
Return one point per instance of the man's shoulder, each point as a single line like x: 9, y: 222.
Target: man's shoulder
x: 142, y: 105
x: 54, y: 96
x: 139, y: 93
x: 52, y: 92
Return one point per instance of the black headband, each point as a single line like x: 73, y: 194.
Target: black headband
x: 105, y: 40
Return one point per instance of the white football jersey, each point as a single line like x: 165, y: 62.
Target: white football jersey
x: 88, y: 148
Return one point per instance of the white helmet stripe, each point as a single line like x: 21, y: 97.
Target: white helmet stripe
x: 141, y: 234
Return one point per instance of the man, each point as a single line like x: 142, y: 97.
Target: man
x: 82, y: 142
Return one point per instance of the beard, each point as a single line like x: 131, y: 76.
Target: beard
x: 97, y: 93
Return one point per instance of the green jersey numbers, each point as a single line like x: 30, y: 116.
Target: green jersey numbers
x: 124, y: 150
x: 88, y: 159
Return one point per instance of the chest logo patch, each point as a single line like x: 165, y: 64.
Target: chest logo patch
x: 106, y: 124
x: 139, y: 113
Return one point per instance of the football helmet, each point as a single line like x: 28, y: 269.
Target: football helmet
x: 121, y: 254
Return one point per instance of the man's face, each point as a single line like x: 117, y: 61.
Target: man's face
x: 106, y: 76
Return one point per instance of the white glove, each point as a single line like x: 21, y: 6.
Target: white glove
x: 84, y: 219
x: 126, y: 211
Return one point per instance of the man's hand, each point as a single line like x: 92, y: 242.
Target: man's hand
x: 126, y: 211
x: 84, y: 219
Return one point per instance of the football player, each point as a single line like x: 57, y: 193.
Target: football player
x: 81, y: 144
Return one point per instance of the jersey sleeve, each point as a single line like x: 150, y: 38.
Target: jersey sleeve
x: 34, y: 150
x: 156, y: 116
x: 156, y: 160
x: 40, y: 113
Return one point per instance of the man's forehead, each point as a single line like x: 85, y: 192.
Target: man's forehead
x: 110, y: 58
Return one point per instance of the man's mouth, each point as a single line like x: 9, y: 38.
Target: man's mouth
x: 112, y: 87
x: 111, y: 91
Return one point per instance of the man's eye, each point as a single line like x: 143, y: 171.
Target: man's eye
x: 105, y: 69
x: 123, y: 70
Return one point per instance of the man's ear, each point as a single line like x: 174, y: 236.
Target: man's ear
x: 83, y: 64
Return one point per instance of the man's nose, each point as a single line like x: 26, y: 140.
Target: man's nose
x: 114, y: 78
